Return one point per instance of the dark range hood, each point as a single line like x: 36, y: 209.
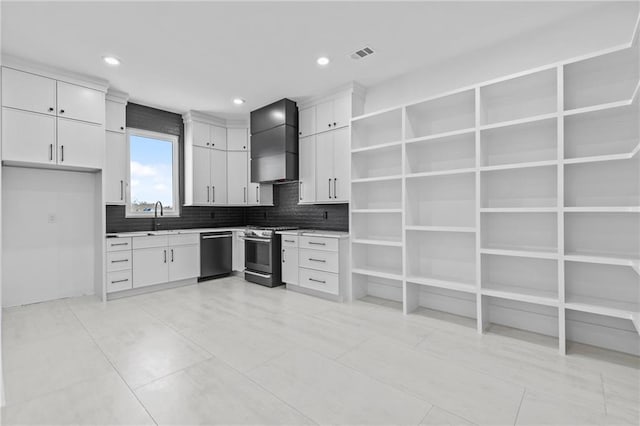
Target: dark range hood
x: 274, y: 142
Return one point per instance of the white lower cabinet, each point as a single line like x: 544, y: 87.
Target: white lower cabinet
x: 119, y: 261
x: 150, y: 266
x: 290, y: 259
x: 184, y: 262
x: 238, y: 251
x: 320, y: 281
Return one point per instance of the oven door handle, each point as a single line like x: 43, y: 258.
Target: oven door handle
x: 246, y: 271
x: 257, y: 240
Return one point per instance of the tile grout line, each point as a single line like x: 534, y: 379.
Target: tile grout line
x: 114, y: 368
x: 426, y: 414
x: 515, y: 421
x: 604, y: 395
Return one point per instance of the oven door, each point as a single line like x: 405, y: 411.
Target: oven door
x: 257, y: 254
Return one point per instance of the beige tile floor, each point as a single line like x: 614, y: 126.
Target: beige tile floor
x: 231, y: 352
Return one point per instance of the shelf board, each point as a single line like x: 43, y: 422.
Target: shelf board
x: 379, y: 274
x: 521, y: 294
x: 605, y: 106
x: 519, y: 121
x: 441, y: 135
x: 519, y: 210
x: 376, y: 147
x: 374, y: 211
x: 620, y: 209
x: 604, y: 259
x: 376, y: 179
x: 467, y: 287
x: 600, y: 158
x: 519, y: 165
x: 388, y: 243
x: 440, y: 228
x: 441, y: 173
x: 614, y: 309
x: 535, y: 254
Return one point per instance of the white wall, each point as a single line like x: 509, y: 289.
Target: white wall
x: 49, y: 234
x: 597, y: 29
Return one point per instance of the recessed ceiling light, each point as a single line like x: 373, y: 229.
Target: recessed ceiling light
x: 111, y: 60
x: 323, y: 61
x: 238, y: 101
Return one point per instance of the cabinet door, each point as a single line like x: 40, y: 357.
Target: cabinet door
x: 80, y: 144
x: 237, y: 139
x: 324, y: 116
x: 201, y: 134
x: 324, y: 167
x: 115, y: 117
x: 80, y: 103
x: 150, y: 266
x: 290, y: 265
x: 28, y: 137
x: 218, y: 176
x: 184, y: 262
x: 341, y: 164
x: 115, y: 168
x: 341, y: 112
x: 307, y: 122
x: 202, y: 192
x: 265, y: 193
x: 237, y: 177
x: 307, y: 169
x: 218, y: 137
x: 238, y: 251
x: 29, y: 92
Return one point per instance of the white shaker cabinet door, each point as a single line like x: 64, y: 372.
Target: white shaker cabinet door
x: 202, y: 192
x: 237, y: 177
x: 29, y: 92
x: 341, y: 112
x: 80, y: 144
x: 218, y: 176
x: 218, y: 137
x: 290, y: 265
x: 115, y: 117
x: 150, y: 266
x: 324, y: 167
x: 115, y: 168
x: 201, y: 134
x: 307, y: 169
x: 28, y: 137
x: 324, y: 117
x: 184, y: 262
x: 237, y: 139
x: 80, y: 103
x: 340, y: 185
x: 307, y: 122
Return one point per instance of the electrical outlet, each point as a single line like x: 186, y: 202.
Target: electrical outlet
x: 51, y: 218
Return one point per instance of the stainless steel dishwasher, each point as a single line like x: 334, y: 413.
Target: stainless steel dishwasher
x: 215, y: 254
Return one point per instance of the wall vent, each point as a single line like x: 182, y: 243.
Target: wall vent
x: 362, y: 53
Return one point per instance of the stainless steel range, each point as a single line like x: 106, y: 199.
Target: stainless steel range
x: 262, y: 250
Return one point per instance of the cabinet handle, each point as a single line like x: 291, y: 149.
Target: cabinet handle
x: 208, y: 199
x: 329, y: 187
x: 334, y: 124
x: 121, y: 127
x: 119, y: 244
x: 213, y: 194
x: 172, y: 255
x: 120, y: 261
x: 317, y: 281
x: 50, y: 152
x: 283, y: 252
x: 121, y: 190
x: 61, y: 153
x: 207, y: 143
x: 300, y: 190
x: 244, y: 194
x: 120, y: 281
x: 317, y: 244
x: 257, y: 195
x: 61, y: 111
x: 289, y: 241
x: 335, y: 192
x: 165, y: 256
x: 329, y: 124
x: 317, y: 260
x: 244, y: 147
x: 50, y: 109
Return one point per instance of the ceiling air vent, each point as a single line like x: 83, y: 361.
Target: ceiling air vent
x: 362, y: 53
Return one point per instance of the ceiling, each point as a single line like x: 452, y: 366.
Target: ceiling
x: 181, y: 56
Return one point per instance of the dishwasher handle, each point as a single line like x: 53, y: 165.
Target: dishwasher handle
x: 209, y: 237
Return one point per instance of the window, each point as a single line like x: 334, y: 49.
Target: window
x: 153, y: 173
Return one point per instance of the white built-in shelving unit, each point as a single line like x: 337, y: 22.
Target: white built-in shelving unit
x: 512, y: 202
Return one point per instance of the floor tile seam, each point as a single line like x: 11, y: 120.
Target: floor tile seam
x: 174, y: 373
x: 515, y: 421
x: 118, y: 373
x: 604, y: 395
x: 426, y: 414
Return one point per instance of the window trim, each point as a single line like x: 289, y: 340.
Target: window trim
x: 175, y: 170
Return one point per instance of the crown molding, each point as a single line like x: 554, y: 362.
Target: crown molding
x: 117, y: 96
x: 354, y: 88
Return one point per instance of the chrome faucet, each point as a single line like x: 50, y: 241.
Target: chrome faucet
x: 155, y: 214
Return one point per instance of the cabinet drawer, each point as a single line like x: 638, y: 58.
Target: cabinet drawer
x: 320, y: 260
x: 118, y: 260
x: 118, y: 281
x: 320, y: 281
x: 184, y: 239
x: 118, y: 244
x: 150, y: 241
x: 319, y: 243
x: 289, y: 241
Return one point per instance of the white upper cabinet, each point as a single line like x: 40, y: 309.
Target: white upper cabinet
x: 201, y: 174
x: 80, y: 103
x: 116, y: 117
x: 28, y: 91
x: 341, y: 157
x: 307, y: 122
x: 80, y: 144
x: 218, y: 137
x: 324, y: 167
x: 218, y: 176
x: 237, y: 177
x: 307, y: 170
x: 332, y: 166
x: 333, y: 114
x: 115, y: 168
x: 201, y: 134
x: 237, y: 139
x: 28, y: 137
